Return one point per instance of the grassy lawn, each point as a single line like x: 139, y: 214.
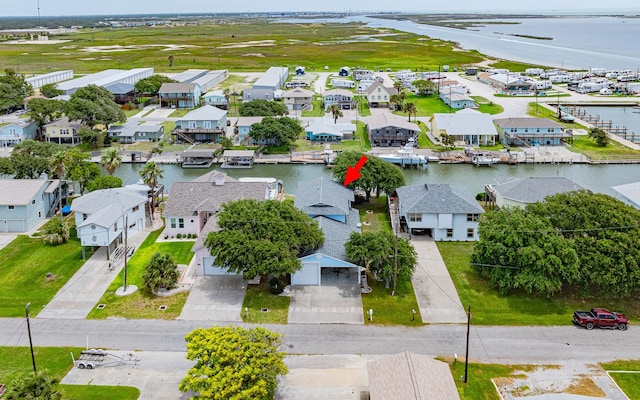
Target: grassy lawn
x: 317, y: 110
x: 14, y: 361
x: 426, y: 105
x: 628, y: 382
x: 487, y: 106
x: 614, y: 150
x: 132, y: 112
x: 143, y: 304
x: 24, y: 268
x: 491, y: 308
x: 479, y: 385
x: 259, y: 297
x: 179, y: 113
x: 363, y: 106
x: 378, y: 219
x: 391, y: 310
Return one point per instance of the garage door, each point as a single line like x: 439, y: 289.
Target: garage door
x: 210, y: 269
x: 15, y: 226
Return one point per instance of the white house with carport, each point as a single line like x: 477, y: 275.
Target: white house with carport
x: 191, y: 208
x: 468, y: 126
x: 103, y: 216
x: 444, y: 212
x: 518, y: 192
x: 329, y: 203
x: 629, y: 193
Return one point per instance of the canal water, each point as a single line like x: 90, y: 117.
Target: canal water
x: 598, y: 178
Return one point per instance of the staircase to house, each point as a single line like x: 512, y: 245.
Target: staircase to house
x: 184, y: 137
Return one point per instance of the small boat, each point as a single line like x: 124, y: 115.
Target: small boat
x: 405, y: 156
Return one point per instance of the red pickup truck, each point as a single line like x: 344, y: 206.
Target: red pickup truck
x: 600, y: 317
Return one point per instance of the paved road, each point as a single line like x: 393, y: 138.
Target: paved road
x: 487, y: 344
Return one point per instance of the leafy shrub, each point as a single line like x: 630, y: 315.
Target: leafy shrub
x: 56, y: 232
x: 276, y: 286
x: 179, y: 236
x: 161, y: 272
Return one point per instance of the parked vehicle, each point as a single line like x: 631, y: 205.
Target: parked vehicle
x: 601, y: 318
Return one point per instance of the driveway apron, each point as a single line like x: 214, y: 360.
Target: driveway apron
x: 216, y: 298
x: 326, y: 305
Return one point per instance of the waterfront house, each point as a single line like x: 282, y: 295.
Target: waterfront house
x: 442, y: 211
x: 25, y: 203
x: 518, y: 192
x: 130, y: 133
x: 243, y: 128
x: 191, y: 209
x: 103, y: 216
x: 378, y: 94
x: 410, y: 376
x: 343, y: 98
x: 329, y: 203
x: 205, y: 124
x: 323, y: 133
x: 385, y: 129
x: 526, y: 131
x: 179, y: 95
x: 467, y: 126
x: 298, y: 99
x: 629, y: 193
x: 62, y: 131
x: 216, y: 98
x: 17, y: 132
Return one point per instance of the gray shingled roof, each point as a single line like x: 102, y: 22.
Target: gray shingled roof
x: 534, y: 189
x: 437, y: 198
x: 171, y: 87
x: 323, y: 196
x: 20, y: 191
x: 337, y: 233
x: 120, y: 88
x: 383, y: 120
x: 211, y: 177
x: 188, y: 198
x: 106, y: 206
x: 525, y: 122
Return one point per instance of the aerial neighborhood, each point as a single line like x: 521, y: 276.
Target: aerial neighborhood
x: 344, y: 217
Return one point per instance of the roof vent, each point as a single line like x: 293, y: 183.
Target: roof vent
x: 218, y: 180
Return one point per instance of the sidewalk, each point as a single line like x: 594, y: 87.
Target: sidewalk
x: 83, y: 291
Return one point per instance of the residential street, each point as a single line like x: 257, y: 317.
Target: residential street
x: 528, y: 345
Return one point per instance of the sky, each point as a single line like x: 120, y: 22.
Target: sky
x: 111, y: 7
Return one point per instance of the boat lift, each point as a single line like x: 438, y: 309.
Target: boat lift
x: 92, y: 358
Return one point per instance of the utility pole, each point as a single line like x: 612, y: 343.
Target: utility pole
x: 395, y: 256
x: 126, y: 234
x: 466, y: 357
x: 33, y: 358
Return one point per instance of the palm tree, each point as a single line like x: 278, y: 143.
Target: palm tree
x: 111, y: 159
x: 397, y: 85
x: 34, y: 386
x: 227, y: 96
x: 409, y: 108
x: 400, y: 98
x: 336, y: 112
x: 150, y: 174
x: 58, y: 166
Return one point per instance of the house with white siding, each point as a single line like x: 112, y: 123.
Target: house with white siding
x: 444, y: 212
x: 469, y: 126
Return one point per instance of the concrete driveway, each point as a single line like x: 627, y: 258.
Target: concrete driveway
x: 217, y: 298
x: 326, y: 305
x: 156, y: 374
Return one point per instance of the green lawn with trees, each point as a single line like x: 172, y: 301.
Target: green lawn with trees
x: 377, y: 176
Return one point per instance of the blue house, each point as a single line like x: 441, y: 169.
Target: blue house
x: 180, y: 95
x: 323, y: 133
x: 531, y: 132
x: 329, y: 203
x: 243, y: 128
x: 17, y: 132
x: 205, y: 124
x: 456, y: 97
x: 25, y: 203
x: 216, y: 98
x: 131, y: 133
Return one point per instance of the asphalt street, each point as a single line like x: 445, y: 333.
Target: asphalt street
x: 503, y: 345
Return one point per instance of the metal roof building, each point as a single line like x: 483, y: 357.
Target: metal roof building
x: 105, y: 78
x: 52, y: 77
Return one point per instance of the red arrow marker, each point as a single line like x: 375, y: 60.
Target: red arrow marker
x: 353, y: 173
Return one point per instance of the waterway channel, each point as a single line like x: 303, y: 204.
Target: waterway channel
x: 598, y: 178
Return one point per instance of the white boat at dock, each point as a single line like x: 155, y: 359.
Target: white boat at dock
x: 405, y: 156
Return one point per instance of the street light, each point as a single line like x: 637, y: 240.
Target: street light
x: 33, y: 358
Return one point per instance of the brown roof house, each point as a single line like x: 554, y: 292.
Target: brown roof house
x: 410, y: 376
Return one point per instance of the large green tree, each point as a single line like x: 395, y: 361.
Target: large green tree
x: 13, y: 90
x: 42, y: 111
x: 233, y: 363
x: 150, y: 174
x: 599, y: 136
x: 263, y: 108
x: 160, y: 272
x: 104, y: 182
x: 262, y: 237
x: 82, y: 170
x: 424, y: 87
x: 94, y: 105
x: 29, y: 159
x: 378, y: 176
x: 40, y: 386
x: 281, y: 131
x: 377, y: 252
x: 152, y: 84
x: 581, y: 240
x: 50, y: 90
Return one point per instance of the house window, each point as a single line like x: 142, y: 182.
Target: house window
x: 415, y: 217
x: 39, y: 214
x: 173, y: 223
x: 11, y: 207
x: 115, y: 227
x: 33, y: 201
x: 472, y: 217
x: 84, y: 216
x: 470, y: 232
x: 180, y: 222
x: 136, y: 208
x: 449, y: 233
